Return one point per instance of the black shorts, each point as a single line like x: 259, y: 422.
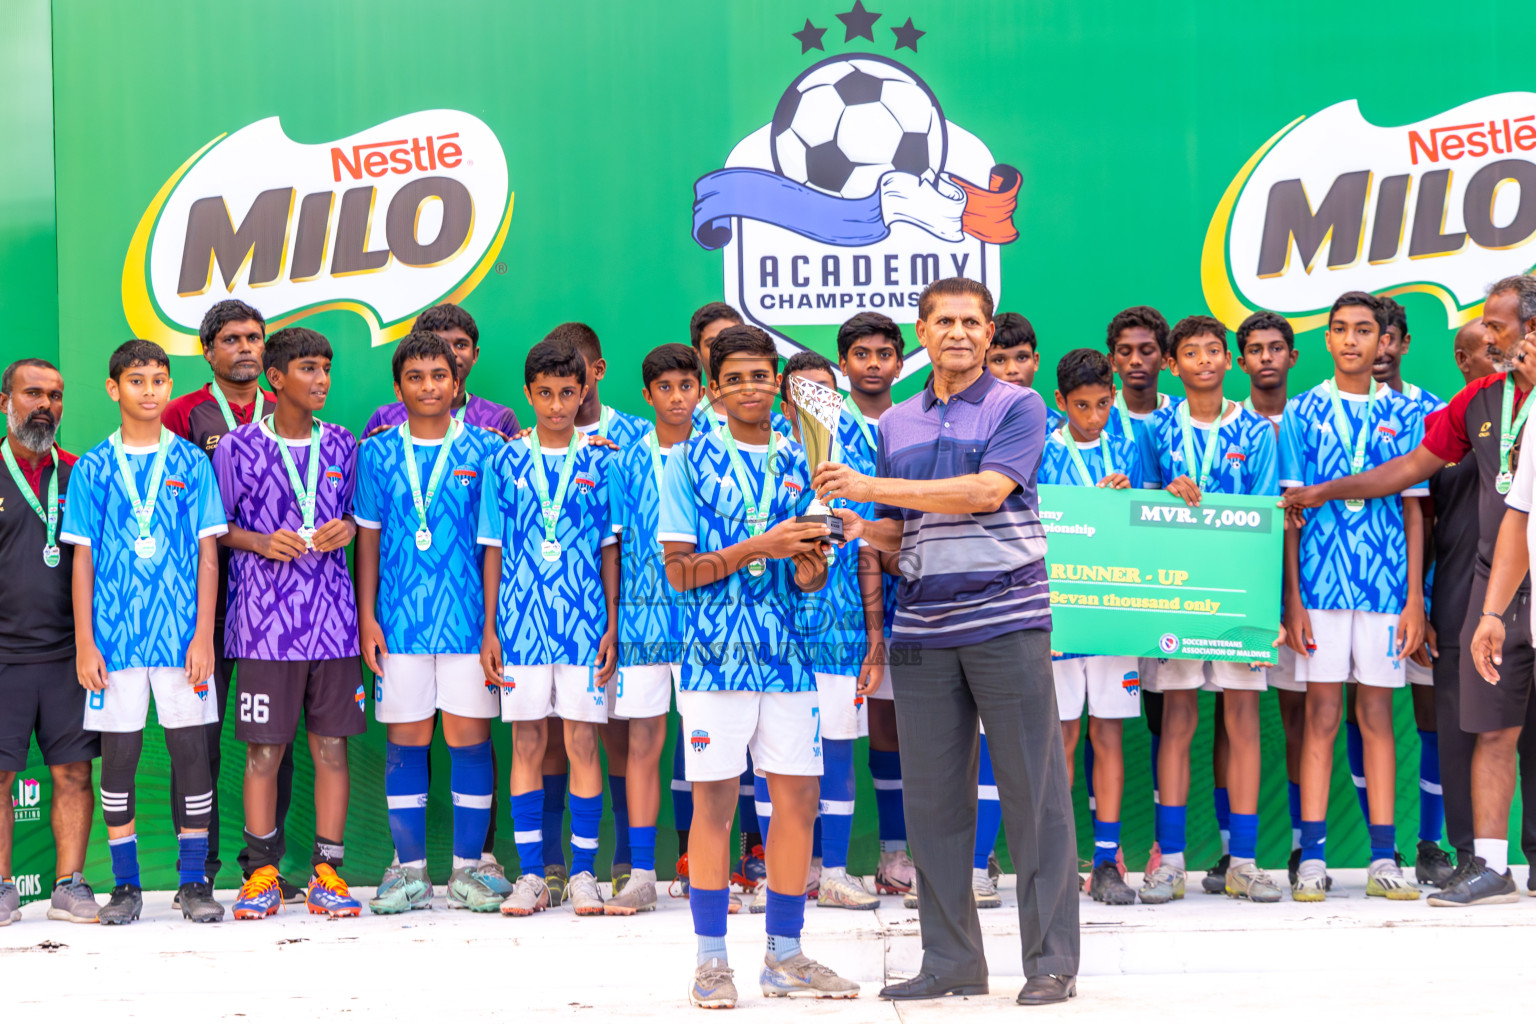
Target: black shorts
x: 45, y: 699
x: 271, y: 694
x: 1484, y: 706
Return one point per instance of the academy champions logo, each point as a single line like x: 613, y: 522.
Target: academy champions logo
x: 383, y: 223
x: 1333, y: 203
x: 857, y: 194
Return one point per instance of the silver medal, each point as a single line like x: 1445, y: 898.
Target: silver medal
x: 550, y: 549
x: 144, y: 547
x: 51, y: 555
x: 423, y: 539
x: 1354, y: 504
x: 307, y: 535
x: 757, y: 568
x: 1503, y: 481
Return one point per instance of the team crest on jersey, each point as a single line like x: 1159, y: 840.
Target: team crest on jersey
x: 1389, y: 431
x: 855, y: 195
x: 1132, y: 683
x: 1236, y: 455
x: 790, y: 485
x: 201, y: 689
x: 584, y: 484
x: 699, y: 741
x: 175, y: 484
x: 361, y: 695
x: 464, y: 477
x: 333, y: 475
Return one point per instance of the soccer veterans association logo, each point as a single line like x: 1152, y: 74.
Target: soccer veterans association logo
x: 383, y: 223
x: 856, y: 194
x: 1333, y: 203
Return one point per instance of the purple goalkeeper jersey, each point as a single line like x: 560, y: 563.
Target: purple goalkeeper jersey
x: 303, y: 610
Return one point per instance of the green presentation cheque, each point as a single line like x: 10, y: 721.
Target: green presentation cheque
x: 1139, y: 572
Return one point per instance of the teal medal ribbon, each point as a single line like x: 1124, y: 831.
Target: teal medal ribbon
x: 424, y: 534
x: 229, y: 413
x: 1341, y: 426
x: 549, y: 507
x: 1078, y: 463
x: 858, y: 417
x: 1509, y: 429
x: 306, y: 490
x: 50, y: 518
x: 143, y: 510
x: 757, y: 511
x: 1187, y: 445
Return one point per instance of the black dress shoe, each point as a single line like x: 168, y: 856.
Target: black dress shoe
x: 928, y: 986
x: 1047, y: 988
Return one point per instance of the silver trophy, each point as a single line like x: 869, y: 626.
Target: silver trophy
x: 818, y: 408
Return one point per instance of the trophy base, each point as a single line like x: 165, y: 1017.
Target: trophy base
x: 832, y: 522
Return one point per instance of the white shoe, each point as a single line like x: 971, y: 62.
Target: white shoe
x: 984, y: 889
x: 838, y: 889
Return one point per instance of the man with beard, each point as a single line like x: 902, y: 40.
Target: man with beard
x: 38, y: 692
x: 233, y: 336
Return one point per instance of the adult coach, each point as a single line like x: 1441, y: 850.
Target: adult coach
x: 38, y: 690
x: 954, y: 493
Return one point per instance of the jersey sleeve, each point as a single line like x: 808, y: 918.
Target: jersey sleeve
x: 1015, y: 446
x: 492, y: 518
x: 84, y: 509
x: 1292, y: 464
x: 228, y: 477
x: 348, y: 475
x: 678, y: 518
x: 609, y: 484
x: 1264, y: 463
x: 211, y: 520
x: 177, y: 417
x: 1522, y: 492
x: 1445, y: 429
x: 1407, y: 442
x: 366, y: 507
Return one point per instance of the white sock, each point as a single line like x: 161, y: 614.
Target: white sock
x: 642, y: 875
x: 463, y: 862
x: 1237, y: 862
x: 980, y: 875
x: 827, y: 873
x: 1495, y: 852
x: 419, y: 865
x: 1174, y: 860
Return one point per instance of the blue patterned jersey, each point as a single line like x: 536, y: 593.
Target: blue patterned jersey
x: 1056, y: 466
x: 706, y: 418
x: 430, y: 602
x: 1428, y: 403
x: 1246, y: 461
x: 548, y: 612
x: 1146, y: 441
x: 144, y: 610
x: 1053, y: 419
x: 1350, y: 560
x: 836, y: 612
x: 651, y: 616
x: 745, y: 632
x: 624, y: 430
x: 858, y: 437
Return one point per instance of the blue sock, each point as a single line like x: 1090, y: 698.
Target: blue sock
x: 125, y: 860
x: 989, y: 812
x: 405, y: 790
x: 472, y: 781
x: 1293, y: 793
x: 1314, y: 840
x: 552, y: 818
x: 193, y: 863
x: 528, y: 831
x: 1093, y: 803
x: 1223, y: 816
x: 1431, y: 801
x: 1170, y: 825
x: 586, y: 818
x: 885, y: 769
x: 785, y: 920
x: 836, y: 801
x: 1245, y: 836
x: 619, y: 792
x: 1155, y: 745
x: 1383, y: 841
x: 682, y: 789
x: 1354, y: 749
x: 710, y: 907
x: 1106, y: 841
x: 642, y: 846
x: 762, y: 807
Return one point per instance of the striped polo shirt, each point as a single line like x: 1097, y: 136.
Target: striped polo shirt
x: 968, y: 578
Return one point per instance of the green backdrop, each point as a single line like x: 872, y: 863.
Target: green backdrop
x: 1127, y: 125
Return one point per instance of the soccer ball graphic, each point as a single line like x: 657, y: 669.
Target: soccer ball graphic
x: 848, y: 120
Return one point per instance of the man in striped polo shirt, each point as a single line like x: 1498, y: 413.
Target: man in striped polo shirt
x: 954, y: 493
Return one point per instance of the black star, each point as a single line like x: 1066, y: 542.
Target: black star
x: 907, y: 35
x: 810, y: 37
x: 859, y: 23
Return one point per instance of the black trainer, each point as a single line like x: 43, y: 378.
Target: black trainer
x: 1478, y: 885
x: 1108, y: 887
x: 126, y: 904
x: 197, y: 903
x: 1294, y: 865
x: 1215, y: 880
x: 291, y: 893
x: 1432, y: 865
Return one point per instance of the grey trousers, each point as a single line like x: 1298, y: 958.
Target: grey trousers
x: 939, y: 693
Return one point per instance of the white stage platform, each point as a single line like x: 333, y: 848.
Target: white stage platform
x: 1206, y: 958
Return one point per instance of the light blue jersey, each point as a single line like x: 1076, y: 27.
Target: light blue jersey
x: 1142, y: 434
x: 144, y: 610
x: 1350, y: 560
x: 1057, y: 466
x: 706, y: 418
x: 651, y: 614
x: 429, y: 601
x: 549, y: 611
x: 836, y: 612
x: 745, y: 632
x: 623, y: 429
x: 1246, y: 461
x: 859, y: 437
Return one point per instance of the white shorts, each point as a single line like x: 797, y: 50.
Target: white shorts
x: 532, y: 692
x: 1353, y: 646
x: 1282, y: 674
x: 643, y: 691
x: 1110, y: 686
x: 884, y: 691
x: 781, y: 730
x: 1418, y: 675
x: 1147, y: 668
x: 414, y: 687
x: 840, y: 706
x: 1189, y: 674
x: 124, y: 705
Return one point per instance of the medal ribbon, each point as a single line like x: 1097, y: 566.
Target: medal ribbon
x: 757, y: 512
x: 550, y: 507
x: 858, y: 417
x: 1187, y: 444
x: 307, y: 491
x: 1510, y: 424
x: 1341, y: 424
x: 50, y: 517
x: 229, y: 413
x: 143, y: 511
x: 1077, y: 456
x: 413, y: 474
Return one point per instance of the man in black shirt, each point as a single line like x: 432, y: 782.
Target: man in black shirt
x: 39, y: 694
